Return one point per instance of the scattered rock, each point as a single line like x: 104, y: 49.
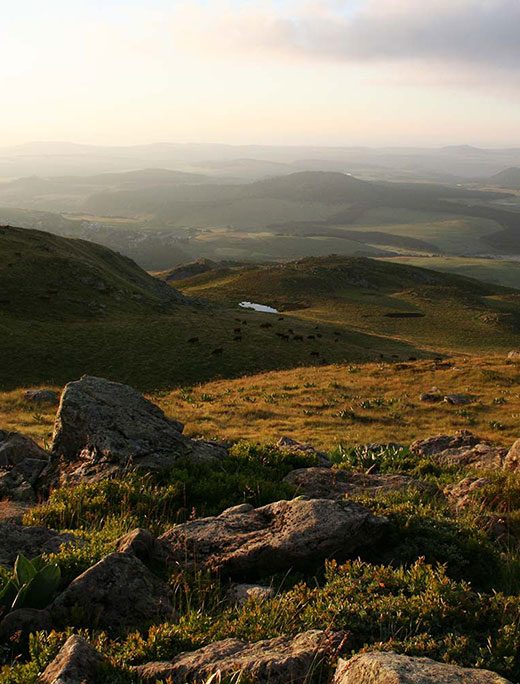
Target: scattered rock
x: 288, y: 444
x: 30, y: 541
x: 391, y: 668
x: 244, y: 542
x: 117, y: 592
x: 241, y: 593
x: 459, y: 399
x: 104, y: 428
x: 462, y: 449
x: 331, y: 483
x: 431, y: 397
x: 512, y: 459
x: 514, y: 355
x: 41, y: 396
x: 76, y: 663
x: 273, y: 661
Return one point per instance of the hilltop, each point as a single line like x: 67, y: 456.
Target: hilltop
x: 427, y: 308
x: 44, y: 275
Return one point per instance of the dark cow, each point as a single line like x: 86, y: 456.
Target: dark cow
x: 193, y: 340
x: 217, y: 352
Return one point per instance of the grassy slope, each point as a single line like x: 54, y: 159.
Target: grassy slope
x: 460, y: 314
x: 72, y: 307
x: 307, y: 403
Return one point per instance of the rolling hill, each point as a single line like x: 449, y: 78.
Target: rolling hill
x: 509, y: 179
x: 69, y: 307
x: 423, y: 307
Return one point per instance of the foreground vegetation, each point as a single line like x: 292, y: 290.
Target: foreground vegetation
x: 434, y: 586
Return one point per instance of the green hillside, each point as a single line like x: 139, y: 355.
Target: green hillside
x: 69, y: 307
x: 423, y: 307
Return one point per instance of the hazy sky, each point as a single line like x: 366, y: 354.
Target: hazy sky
x: 266, y: 71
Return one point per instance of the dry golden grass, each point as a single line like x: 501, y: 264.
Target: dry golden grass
x: 308, y: 403
x: 328, y: 405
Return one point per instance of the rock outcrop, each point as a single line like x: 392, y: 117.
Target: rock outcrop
x: 104, y: 428
x: 21, y: 463
x: 76, y: 663
x: 116, y: 593
x: 461, y: 449
x: 273, y: 661
x: 331, y: 483
x: 512, y: 459
x: 244, y: 542
x: 30, y: 541
x: 241, y: 593
x: 391, y: 668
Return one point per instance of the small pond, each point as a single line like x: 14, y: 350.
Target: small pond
x: 258, y: 307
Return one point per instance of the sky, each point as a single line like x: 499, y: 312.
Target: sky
x: 323, y: 72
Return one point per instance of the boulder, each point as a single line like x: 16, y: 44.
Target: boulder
x: 512, y: 459
x: 460, y: 493
x: 463, y: 449
x: 514, y: 355
x: 391, y: 668
x: 241, y: 593
x: 244, y: 542
x: 30, y: 541
x: 273, y: 661
x: 291, y: 445
x: 143, y: 545
x: 19, y: 624
x: 42, y: 396
x: 116, y: 593
x: 76, y: 663
x: 331, y: 483
x: 16, y: 448
x: 104, y: 428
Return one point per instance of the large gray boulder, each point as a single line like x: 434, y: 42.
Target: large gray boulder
x: 30, y: 541
x: 104, y: 428
x: 76, y: 663
x: 331, y: 483
x: 244, y: 542
x: 118, y: 592
x: 282, y: 660
x: 391, y: 668
x: 463, y: 449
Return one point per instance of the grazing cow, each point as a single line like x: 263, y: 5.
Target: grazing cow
x: 217, y: 352
x: 336, y: 332
x: 311, y: 337
x: 266, y: 325
x: 193, y: 340
x: 298, y: 338
x: 281, y: 318
x: 237, y: 338
x: 412, y: 358
x: 315, y: 354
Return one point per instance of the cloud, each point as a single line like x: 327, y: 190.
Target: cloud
x: 470, y: 35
